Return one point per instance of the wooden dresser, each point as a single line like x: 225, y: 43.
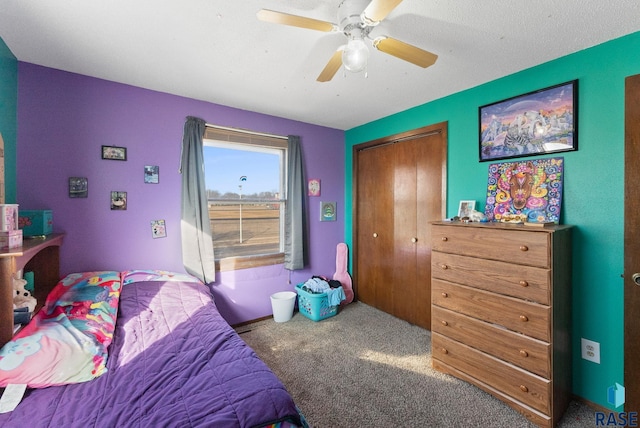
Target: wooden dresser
x: 501, y: 312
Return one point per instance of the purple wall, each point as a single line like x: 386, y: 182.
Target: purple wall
x: 64, y: 118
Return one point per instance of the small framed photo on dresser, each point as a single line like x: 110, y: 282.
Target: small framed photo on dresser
x: 465, y: 208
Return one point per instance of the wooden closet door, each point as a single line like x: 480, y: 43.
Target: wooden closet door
x: 418, y: 196
x: 405, y: 304
x: 431, y: 160
x: 399, y: 188
x: 375, y: 212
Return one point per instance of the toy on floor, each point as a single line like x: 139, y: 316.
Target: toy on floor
x: 341, y: 274
x: 22, y: 298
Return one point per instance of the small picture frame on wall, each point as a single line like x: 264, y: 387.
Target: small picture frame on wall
x: 465, y: 208
x: 151, y: 174
x: 114, y: 153
x: 118, y: 200
x: 78, y: 187
x: 327, y: 211
x: 314, y: 187
x: 158, y: 229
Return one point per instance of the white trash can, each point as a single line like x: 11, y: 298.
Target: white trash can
x: 282, y: 304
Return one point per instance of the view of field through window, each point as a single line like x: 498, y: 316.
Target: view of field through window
x: 244, y: 196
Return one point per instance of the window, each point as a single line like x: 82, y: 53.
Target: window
x: 245, y: 179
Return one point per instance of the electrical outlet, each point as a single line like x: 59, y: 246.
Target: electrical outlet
x: 590, y: 350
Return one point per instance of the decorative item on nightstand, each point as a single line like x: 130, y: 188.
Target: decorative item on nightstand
x: 10, y: 239
x: 8, y: 217
x: 10, y: 235
x: 36, y: 222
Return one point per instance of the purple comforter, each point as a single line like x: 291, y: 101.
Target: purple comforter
x: 174, y: 362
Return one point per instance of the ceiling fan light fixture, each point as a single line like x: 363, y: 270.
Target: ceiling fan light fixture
x: 355, y: 55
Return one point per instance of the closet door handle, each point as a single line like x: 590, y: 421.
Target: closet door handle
x: 414, y: 240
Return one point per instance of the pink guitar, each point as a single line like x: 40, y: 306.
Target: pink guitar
x: 341, y: 274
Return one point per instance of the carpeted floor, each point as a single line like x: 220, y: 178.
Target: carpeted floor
x: 364, y: 367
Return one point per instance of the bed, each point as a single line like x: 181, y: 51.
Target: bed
x: 138, y: 349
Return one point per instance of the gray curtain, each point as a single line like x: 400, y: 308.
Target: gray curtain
x: 197, y: 245
x: 295, y: 216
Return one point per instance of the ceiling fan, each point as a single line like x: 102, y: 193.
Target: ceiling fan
x: 356, y: 19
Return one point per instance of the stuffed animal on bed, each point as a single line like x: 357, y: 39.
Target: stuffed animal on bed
x: 22, y: 298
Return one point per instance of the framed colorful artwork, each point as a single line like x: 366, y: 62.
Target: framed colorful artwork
x: 543, y: 121
x: 528, y: 191
x: 327, y: 211
x: 314, y: 187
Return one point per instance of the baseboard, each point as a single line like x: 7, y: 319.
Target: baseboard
x: 245, y: 323
x: 594, y: 406
x: 242, y: 324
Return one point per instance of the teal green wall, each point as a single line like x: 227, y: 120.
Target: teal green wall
x: 593, y: 185
x: 8, y: 118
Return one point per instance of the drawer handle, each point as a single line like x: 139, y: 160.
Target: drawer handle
x: 375, y: 235
x: 524, y: 318
x: 444, y: 323
x: 445, y: 295
x: 524, y: 283
x: 444, y: 267
x: 444, y: 350
x: 524, y: 388
x: 524, y: 248
x: 445, y: 239
x: 524, y: 353
x: 414, y: 240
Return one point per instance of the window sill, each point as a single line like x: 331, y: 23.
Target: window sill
x: 236, y: 263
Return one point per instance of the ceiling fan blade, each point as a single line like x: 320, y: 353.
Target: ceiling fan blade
x: 379, y: 9
x: 332, y: 67
x: 294, y: 20
x: 405, y: 51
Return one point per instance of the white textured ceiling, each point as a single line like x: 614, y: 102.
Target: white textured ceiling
x: 218, y: 51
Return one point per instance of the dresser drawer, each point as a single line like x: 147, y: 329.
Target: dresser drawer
x: 523, y: 386
x: 525, y: 352
x: 518, y: 315
x: 524, y: 282
x: 514, y: 246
